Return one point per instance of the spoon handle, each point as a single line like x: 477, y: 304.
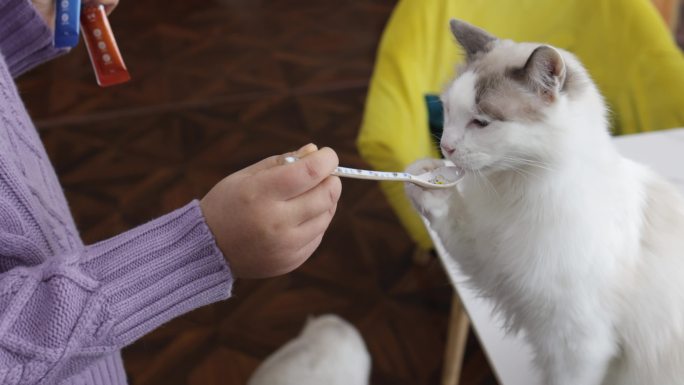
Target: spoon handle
x: 358, y: 173
x: 373, y: 175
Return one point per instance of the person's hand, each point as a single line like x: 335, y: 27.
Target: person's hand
x: 46, y: 8
x: 109, y: 5
x: 270, y: 217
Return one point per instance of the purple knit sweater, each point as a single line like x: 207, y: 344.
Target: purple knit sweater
x: 66, y: 309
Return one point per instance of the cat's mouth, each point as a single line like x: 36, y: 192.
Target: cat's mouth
x: 474, y: 169
x: 466, y: 167
x: 471, y: 162
x: 461, y: 169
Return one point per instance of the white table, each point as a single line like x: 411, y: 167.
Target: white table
x: 510, y: 356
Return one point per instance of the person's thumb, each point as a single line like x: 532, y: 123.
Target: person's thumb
x: 278, y: 160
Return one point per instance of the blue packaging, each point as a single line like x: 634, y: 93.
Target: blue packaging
x: 67, y: 19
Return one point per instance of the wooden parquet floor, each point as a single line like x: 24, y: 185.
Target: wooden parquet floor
x: 218, y: 85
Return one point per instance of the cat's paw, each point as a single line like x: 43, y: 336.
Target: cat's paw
x: 431, y: 203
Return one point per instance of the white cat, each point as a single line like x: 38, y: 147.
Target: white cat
x: 329, y: 351
x: 576, y: 245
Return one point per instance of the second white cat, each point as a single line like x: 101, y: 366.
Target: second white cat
x: 329, y: 351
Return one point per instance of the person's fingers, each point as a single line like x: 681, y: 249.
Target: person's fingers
x: 109, y: 5
x: 306, y: 150
x: 110, y: 8
x: 297, y: 236
x: 293, y: 179
x: 265, y: 164
x: 312, y: 228
x: 278, y: 160
x: 305, y: 252
x: 300, y: 256
x: 316, y: 201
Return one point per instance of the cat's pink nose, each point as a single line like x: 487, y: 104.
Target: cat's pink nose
x: 448, y: 150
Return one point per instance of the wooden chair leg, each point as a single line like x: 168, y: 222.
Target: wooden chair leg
x: 456, y: 342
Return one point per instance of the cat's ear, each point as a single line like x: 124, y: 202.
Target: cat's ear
x: 545, y: 70
x: 473, y: 39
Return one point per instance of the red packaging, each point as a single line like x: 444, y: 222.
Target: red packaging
x: 104, y: 53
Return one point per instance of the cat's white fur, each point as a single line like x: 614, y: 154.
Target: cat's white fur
x: 579, y: 247
x: 328, y: 351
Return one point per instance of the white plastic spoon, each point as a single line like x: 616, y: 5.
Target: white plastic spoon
x: 441, y: 177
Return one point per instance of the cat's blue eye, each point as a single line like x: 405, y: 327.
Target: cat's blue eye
x: 479, y: 123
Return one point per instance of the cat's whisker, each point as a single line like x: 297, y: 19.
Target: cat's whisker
x: 521, y: 171
x: 524, y: 176
x: 537, y: 165
x: 527, y: 162
x: 486, y: 183
x: 489, y: 183
x: 477, y: 179
x: 530, y: 162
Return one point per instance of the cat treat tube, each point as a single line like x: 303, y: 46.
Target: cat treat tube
x: 66, y: 23
x: 104, y: 54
